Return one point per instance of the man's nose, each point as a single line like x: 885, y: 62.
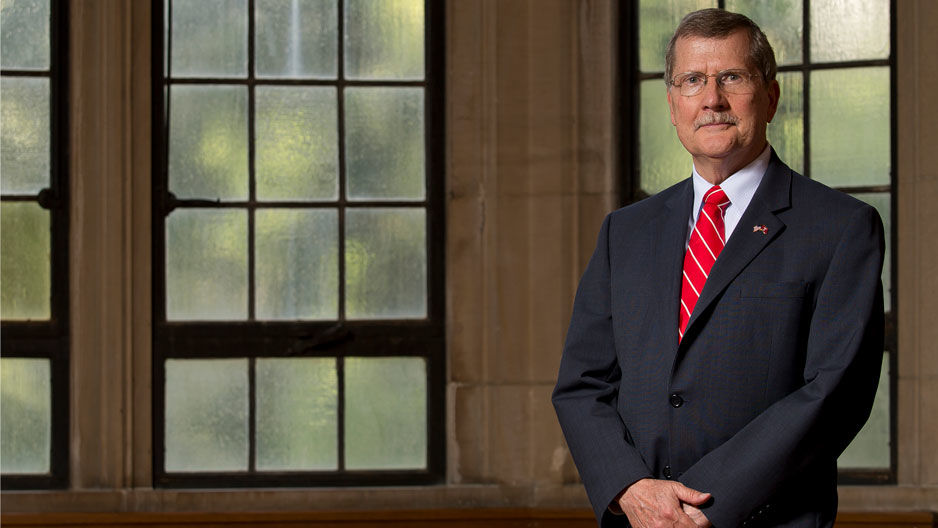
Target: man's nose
x: 713, y: 96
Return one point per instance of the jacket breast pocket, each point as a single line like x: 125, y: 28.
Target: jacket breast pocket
x: 772, y: 319
x: 772, y: 290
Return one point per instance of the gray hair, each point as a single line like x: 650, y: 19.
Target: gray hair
x: 717, y: 23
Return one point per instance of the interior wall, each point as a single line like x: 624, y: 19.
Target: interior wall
x: 917, y: 26
x: 531, y: 174
x: 531, y: 171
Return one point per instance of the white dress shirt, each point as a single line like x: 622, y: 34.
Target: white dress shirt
x: 739, y: 188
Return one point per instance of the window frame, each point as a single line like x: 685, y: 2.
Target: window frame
x: 50, y: 339
x: 338, y: 339
x: 630, y: 78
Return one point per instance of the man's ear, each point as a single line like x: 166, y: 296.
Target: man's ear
x: 774, y: 92
x: 671, y: 108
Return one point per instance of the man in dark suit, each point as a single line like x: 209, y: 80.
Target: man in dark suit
x: 727, y: 334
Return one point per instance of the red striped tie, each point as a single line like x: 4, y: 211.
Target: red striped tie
x: 706, y: 242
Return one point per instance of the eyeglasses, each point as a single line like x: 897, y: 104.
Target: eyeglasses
x: 737, y: 82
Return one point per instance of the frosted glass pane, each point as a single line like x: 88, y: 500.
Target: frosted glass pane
x: 780, y: 20
x: 206, y: 264
x: 25, y: 415
x: 208, y: 133
x: 206, y: 415
x: 296, y: 38
x: 786, y: 131
x: 384, y: 39
x: 870, y: 449
x: 296, y: 143
x: 24, y: 135
x: 657, y: 21
x: 385, y: 143
x: 850, y: 138
x: 297, y: 260
x: 663, y: 160
x: 209, y: 38
x: 296, y: 414
x: 24, y: 34
x: 843, y: 30
x: 881, y: 201
x: 385, y: 263
x: 25, y: 262
x: 385, y: 413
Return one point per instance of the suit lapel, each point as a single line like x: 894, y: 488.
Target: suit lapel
x: 668, y: 240
x: 746, y: 242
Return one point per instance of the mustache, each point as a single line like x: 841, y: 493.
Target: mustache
x: 715, y: 118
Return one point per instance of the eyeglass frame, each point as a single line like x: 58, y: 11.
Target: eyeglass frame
x: 717, y: 75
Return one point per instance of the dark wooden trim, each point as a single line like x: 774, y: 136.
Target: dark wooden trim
x: 886, y: 519
x: 452, y: 518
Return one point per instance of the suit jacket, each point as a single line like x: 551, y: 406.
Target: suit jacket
x: 776, y: 372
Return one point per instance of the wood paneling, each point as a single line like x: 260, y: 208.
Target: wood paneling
x: 886, y: 520
x: 451, y: 518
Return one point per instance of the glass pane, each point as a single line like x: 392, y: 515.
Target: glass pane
x: 206, y: 264
x: 25, y: 415
x: 843, y: 30
x: 24, y: 34
x: 786, y: 131
x: 209, y: 38
x: 206, y: 415
x: 296, y: 38
x: 870, y: 449
x: 296, y: 143
x: 297, y: 259
x: 657, y: 21
x: 384, y: 39
x: 664, y: 161
x: 24, y: 135
x: 384, y: 143
x: 208, y: 134
x: 385, y: 413
x: 850, y: 141
x: 296, y: 414
x: 385, y: 263
x: 881, y: 201
x: 780, y: 20
x: 25, y: 262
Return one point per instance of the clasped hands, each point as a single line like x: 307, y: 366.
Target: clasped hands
x: 651, y: 503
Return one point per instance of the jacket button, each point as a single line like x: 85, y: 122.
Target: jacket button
x: 676, y: 401
x: 667, y: 472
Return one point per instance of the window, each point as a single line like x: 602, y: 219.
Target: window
x: 298, y: 274
x: 835, y: 123
x: 34, y: 252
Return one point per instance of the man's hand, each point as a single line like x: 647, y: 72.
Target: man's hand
x: 650, y: 503
x: 696, y: 515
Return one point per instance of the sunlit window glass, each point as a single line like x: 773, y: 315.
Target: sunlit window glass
x: 33, y: 245
x: 295, y: 214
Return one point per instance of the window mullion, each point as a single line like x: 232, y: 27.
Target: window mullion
x: 252, y: 180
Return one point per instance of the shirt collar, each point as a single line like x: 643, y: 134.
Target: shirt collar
x: 740, y: 186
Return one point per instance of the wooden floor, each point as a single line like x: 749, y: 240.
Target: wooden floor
x: 449, y: 518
